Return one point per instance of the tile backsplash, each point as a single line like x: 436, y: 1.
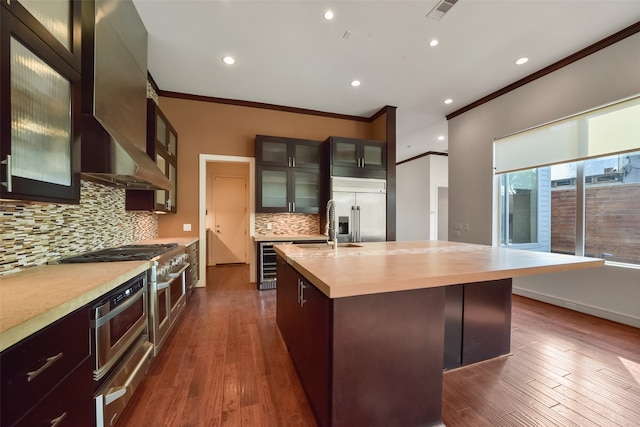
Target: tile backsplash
x: 287, y: 223
x: 34, y: 233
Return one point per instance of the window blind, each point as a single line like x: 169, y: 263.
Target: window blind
x: 600, y: 132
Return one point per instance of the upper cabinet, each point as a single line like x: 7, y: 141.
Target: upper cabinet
x: 358, y: 158
x: 289, y: 175
x: 162, y: 146
x: 288, y: 152
x: 40, y: 55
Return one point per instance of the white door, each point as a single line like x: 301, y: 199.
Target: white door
x: 230, y: 220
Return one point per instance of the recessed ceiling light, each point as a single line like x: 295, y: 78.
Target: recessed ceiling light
x: 229, y: 60
x: 328, y: 15
x: 441, y: 138
x: 433, y: 43
x: 522, y: 60
x: 448, y: 101
x: 355, y: 83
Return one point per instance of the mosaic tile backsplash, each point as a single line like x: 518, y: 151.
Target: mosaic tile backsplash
x: 32, y: 234
x: 287, y: 223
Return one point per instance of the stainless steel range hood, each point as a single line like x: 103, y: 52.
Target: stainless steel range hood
x: 114, y: 65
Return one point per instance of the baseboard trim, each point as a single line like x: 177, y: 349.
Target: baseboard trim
x: 582, y: 308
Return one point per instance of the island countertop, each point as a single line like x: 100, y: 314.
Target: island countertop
x: 382, y: 267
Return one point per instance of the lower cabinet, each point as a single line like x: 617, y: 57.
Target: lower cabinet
x: 47, y: 377
x: 303, y: 315
x: 369, y: 360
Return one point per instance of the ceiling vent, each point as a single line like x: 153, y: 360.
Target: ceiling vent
x: 440, y: 9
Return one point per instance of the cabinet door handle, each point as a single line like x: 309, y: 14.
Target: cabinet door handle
x: 363, y: 165
x: 8, y: 183
x: 293, y: 206
x: 302, y: 288
x: 293, y: 162
x: 58, y: 420
x: 50, y: 361
x: 289, y: 161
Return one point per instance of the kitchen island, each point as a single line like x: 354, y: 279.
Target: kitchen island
x: 369, y: 325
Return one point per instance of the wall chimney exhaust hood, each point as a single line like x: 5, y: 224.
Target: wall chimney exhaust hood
x: 114, y: 105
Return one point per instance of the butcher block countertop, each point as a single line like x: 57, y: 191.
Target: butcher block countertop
x: 36, y: 297
x: 397, y: 266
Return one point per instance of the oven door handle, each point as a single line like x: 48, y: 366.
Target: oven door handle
x: 114, y: 394
x: 125, y: 305
x: 162, y: 285
x: 179, y: 272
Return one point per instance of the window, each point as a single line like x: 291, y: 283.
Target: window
x: 588, y: 205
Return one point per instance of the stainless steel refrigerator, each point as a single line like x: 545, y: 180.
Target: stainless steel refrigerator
x: 361, y: 209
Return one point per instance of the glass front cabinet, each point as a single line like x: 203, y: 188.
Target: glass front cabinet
x: 162, y: 145
x: 40, y: 100
x: 358, y: 158
x: 288, y: 175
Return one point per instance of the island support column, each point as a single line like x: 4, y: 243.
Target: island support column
x: 387, y: 359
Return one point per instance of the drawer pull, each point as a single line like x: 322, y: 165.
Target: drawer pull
x: 114, y: 394
x: 56, y: 421
x: 50, y: 361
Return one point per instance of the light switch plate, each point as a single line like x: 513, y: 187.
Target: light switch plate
x: 186, y: 227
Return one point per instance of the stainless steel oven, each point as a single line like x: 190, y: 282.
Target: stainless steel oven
x: 117, y: 321
x: 167, y: 293
x: 122, y: 352
x: 123, y: 321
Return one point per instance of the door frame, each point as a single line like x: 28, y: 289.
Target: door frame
x: 202, y: 207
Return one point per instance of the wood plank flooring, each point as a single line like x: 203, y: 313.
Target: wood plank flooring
x: 225, y: 365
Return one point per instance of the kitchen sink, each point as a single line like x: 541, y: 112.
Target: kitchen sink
x: 326, y: 247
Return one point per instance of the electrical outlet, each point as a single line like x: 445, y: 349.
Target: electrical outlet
x: 269, y: 226
x: 456, y: 233
x: 465, y: 227
x: 458, y: 226
x: 186, y: 227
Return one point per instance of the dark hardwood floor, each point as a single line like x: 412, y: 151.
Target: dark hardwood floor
x: 225, y: 364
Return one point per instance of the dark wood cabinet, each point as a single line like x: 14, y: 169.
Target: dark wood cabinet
x: 288, y: 152
x: 40, y: 87
x: 303, y: 317
x: 346, y: 352
x: 162, y: 147
x: 357, y: 158
x: 289, y: 175
x: 49, y: 375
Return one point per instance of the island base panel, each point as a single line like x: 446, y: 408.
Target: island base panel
x: 387, y: 359
x: 486, y: 320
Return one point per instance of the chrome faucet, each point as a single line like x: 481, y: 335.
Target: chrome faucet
x: 331, y: 230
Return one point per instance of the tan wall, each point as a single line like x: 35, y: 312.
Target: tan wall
x: 211, y: 128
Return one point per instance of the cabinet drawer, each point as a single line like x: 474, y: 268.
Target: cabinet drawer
x: 34, y: 366
x: 70, y: 403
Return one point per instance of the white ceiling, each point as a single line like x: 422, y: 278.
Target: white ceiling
x: 288, y: 54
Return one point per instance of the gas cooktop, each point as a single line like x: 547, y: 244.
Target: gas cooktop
x: 121, y: 253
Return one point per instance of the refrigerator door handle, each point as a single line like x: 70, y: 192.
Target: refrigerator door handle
x: 358, y: 237
x: 352, y: 233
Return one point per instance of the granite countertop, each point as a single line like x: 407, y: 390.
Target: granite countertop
x: 287, y: 237
x: 38, y: 296
x: 184, y: 241
x: 396, y: 266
